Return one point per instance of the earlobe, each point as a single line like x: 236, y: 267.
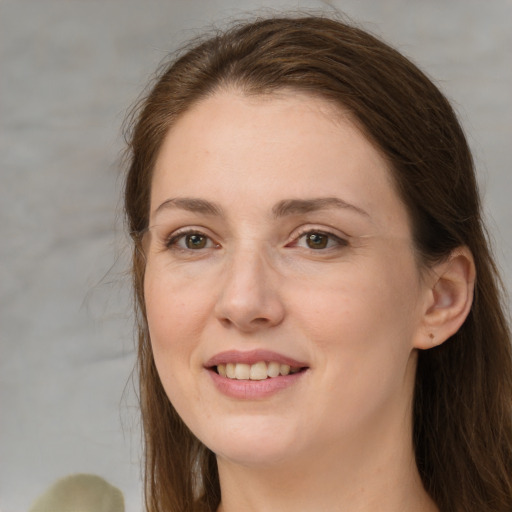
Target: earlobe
x: 450, y: 296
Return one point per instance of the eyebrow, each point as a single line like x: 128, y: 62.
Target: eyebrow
x: 299, y: 206
x: 191, y: 204
x: 281, y: 209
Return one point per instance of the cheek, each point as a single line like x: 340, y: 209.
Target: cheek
x: 176, y: 317
x: 176, y: 314
x: 362, y: 336
x: 359, y: 302
x: 365, y: 317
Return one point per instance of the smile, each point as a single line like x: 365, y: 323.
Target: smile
x: 255, y: 374
x: 258, y: 371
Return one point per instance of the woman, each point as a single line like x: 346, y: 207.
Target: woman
x: 320, y: 325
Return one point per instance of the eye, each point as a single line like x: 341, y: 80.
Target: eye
x: 318, y: 240
x: 190, y: 240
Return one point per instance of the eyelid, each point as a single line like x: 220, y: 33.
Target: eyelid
x: 175, y: 236
x: 341, y: 238
x: 328, y: 230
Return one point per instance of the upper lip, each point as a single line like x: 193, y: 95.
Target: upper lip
x: 252, y: 357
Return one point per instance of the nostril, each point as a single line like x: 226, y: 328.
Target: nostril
x: 245, y: 324
x: 226, y: 322
x: 260, y: 321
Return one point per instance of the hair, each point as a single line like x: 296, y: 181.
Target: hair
x: 462, y: 414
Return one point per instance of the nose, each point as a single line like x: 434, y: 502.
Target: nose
x: 249, y: 299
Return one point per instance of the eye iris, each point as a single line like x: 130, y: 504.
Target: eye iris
x: 195, y: 241
x: 317, y: 240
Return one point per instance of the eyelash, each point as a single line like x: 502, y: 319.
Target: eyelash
x: 174, y: 240
x: 331, y: 239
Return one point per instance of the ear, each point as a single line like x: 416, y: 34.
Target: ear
x: 450, y: 286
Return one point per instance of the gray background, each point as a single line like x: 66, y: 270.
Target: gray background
x: 69, y: 71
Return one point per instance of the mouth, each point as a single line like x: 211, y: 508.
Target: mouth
x: 254, y: 365
x: 254, y: 375
x: 261, y: 370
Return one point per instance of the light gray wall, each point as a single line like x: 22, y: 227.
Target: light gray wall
x: 69, y: 70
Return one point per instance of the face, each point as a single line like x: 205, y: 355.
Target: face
x: 282, y: 291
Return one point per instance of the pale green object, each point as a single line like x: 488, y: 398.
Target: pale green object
x: 80, y: 493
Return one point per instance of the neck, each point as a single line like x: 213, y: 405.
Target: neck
x: 379, y: 474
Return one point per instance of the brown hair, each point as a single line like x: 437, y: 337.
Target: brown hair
x: 462, y: 414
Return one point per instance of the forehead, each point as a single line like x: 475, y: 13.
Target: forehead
x: 233, y: 113
x: 284, y: 145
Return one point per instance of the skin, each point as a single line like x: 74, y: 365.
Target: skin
x: 355, y: 311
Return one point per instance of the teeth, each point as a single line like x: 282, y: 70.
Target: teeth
x: 273, y: 369
x: 230, y: 370
x: 242, y: 371
x: 258, y: 371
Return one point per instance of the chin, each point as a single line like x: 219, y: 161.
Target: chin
x: 252, y: 443
x: 253, y: 456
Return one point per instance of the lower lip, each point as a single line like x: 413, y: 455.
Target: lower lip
x: 254, y: 389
